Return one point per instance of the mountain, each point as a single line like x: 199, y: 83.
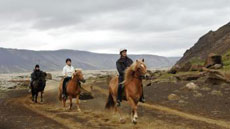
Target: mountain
x: 15, y: 60
x: 213, y: 42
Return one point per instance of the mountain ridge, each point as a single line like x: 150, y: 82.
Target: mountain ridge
x: 22, y: 60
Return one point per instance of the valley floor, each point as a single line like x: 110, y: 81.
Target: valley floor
x: 18, y: 112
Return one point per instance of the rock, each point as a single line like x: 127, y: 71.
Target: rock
x: 197, y: 94
x: 186, y: 67
x: 205, y: 89
x: 216, y: 93
x: 196, y: 67
x: 173, y: 97
x: 49, y: 76
x: 189, y: 77
x: 216, y: 77
x: 174, y: 69
x: 191, y: 86
x: 216, y: 66
x: 85, y: 95
x: 212, y: 60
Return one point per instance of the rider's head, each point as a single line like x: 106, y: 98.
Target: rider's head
x: 123, y: 52
x: 68, y: 61
x: 37, y: 67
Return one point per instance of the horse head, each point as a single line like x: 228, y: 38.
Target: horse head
x: 141, y: 68
x: 78, y: 76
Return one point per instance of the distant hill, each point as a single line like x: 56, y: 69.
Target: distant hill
x: 14, y: 60
x: 213, y: 42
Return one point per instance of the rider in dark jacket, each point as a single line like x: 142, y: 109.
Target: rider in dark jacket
x: 122, y: 64
x: 37, y: 73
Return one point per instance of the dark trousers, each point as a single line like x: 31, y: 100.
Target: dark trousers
x: 64, y: 84
x: 119, y: 91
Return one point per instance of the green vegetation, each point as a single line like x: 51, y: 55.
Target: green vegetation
x: 197, y: 61
x: 226, y: 61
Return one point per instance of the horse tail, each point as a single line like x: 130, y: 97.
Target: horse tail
x: 110, y: 102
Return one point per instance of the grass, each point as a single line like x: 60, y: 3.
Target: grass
x: 196, y: 61
x: 226, y: 61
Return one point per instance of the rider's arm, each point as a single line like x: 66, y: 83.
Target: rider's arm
x: 64, y: 71
x: 119, y: 69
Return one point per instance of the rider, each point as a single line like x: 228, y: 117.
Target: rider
x: 122, y: 64
x: 35, y: 75
x: 68, y: 71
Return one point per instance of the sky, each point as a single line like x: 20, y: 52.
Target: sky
x: 160, y: 27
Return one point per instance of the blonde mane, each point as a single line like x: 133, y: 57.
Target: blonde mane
x: 129, y: 72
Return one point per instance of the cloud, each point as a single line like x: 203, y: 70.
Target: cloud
x: 162, y: 27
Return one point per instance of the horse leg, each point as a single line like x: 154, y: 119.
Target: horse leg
x: 77, y: 102
x: 41, y: 96
x: 133, y: 110
x: 64, y: 102
x: 36, y: 97
x: 71, y: 104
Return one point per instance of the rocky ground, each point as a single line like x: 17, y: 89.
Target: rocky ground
x: 173, y: 102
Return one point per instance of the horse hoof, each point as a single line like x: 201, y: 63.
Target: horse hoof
x: 134, y: 121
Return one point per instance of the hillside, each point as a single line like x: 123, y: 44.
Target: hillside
x: 14, y: 60
x: 213, y: 42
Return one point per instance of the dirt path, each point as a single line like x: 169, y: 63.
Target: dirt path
x: 94, y: 116
x: 221, y: 123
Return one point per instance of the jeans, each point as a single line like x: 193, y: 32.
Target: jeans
x: 119, y: 91
x: 64, y: 84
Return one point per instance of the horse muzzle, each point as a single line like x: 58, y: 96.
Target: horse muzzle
x: 83, y: 80
x: 142, y: 77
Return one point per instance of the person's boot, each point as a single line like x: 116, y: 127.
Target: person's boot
x: 119, y: 95
x: 142, y: 99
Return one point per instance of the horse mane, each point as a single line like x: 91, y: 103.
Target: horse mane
x: 129, y: 72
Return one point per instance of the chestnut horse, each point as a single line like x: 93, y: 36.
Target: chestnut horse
x: 132, y: 88
x: 72, y: 89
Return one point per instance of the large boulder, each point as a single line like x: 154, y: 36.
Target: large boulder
x: 213, y: 61
x: 186, y: 67
x: 173, y: 97
x: 191, y: 86
x: 196, y: 67
x: 216, y: 77
x: 189, y: 77
x: 48, y: 76
x: 183, y: 68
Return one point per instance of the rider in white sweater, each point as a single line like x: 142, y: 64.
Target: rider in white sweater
x: 68, y: 71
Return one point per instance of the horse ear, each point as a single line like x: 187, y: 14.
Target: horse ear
x: 143, y: 60
x: 136, y: 60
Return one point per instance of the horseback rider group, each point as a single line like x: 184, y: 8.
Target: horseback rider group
x: 122, y: 64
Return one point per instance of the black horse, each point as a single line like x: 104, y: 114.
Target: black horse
x: 38, y: 85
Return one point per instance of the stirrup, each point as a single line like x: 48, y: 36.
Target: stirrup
x: 142, y: 100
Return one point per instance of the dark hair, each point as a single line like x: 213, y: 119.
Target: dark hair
x: 36, y: 66
x: 68, y: 59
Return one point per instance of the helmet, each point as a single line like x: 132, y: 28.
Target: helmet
x: 123, y: 49
x: 68, y: 59
x: 37, y: 66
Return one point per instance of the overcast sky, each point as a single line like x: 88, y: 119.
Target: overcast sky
x: 162, y: 27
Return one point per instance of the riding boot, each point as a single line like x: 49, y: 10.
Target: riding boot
x: 64, y: 95
x: 142, y: 99
x: 119, y: 95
